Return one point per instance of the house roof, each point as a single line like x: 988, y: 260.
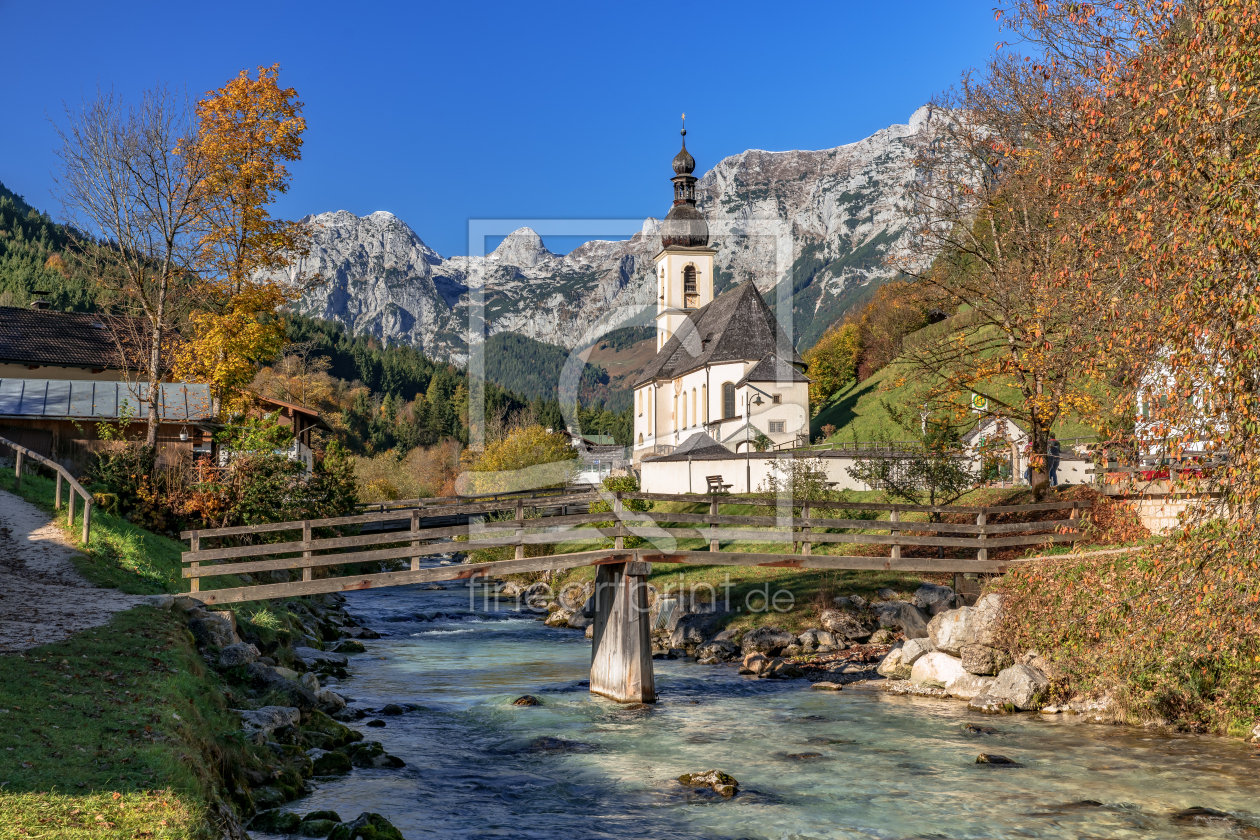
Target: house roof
x: 79, y: 399
x: 697, y: 446
x: 736, y: 326
x: 315, y: 416
x: 66, y: 339
x: 772, y: 369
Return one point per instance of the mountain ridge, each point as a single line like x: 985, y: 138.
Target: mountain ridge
x: 839, y: 205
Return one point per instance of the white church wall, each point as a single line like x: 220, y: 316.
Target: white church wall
x: 745, y: 475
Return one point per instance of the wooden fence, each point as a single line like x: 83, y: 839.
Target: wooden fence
x: 794, y: 525
x: 21, y: 453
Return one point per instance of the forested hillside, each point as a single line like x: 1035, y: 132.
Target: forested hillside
x: 35, y: 255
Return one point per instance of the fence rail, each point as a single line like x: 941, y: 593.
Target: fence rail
x: 21, y: 453
x: 794, y: 526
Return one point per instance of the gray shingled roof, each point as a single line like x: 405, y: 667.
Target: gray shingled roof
x: 735, y: 326
x: 772, y: 369
x: 48, y: 337
x: 697, y: 446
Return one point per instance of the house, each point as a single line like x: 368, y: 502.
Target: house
x: 724, y: 366
x: 302, y: 421
x: 61, y: 373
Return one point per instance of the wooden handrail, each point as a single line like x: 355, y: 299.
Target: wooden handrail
x: 805, y: 530
x: 63, y: 476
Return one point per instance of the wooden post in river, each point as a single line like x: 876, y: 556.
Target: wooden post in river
x: 621, y: 656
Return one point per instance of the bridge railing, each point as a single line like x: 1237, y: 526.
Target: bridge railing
x: 21, y: 453
x: 795, y: 525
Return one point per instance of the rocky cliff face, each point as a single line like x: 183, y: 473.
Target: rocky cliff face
x: 840, y: 207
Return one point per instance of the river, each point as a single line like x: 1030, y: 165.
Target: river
x: 883, y: 767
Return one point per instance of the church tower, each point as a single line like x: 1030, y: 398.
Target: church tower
x: 684, y: 266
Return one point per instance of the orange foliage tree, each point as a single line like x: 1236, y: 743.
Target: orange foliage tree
x: 1150, y: 126
x: 247, y: 131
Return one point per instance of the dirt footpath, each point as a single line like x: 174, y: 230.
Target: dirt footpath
x: 42, y: 598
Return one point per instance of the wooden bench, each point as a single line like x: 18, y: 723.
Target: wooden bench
x: 716, y: 485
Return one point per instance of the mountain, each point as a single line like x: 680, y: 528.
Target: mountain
x: 839, y: 205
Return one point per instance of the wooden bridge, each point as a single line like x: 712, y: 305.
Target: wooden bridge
x: 621, y: 658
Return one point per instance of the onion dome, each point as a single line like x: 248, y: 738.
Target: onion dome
x: 684, y: 226
x: 684, y: 163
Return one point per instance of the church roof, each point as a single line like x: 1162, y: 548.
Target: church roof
x: 699, y: 445
x: 737, y: 326
x: 772, y: 369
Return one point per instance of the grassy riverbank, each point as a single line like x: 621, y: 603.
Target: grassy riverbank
x: 118, y: 731
x: 114, y: 732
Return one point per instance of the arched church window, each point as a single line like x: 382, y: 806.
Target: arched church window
x: 728, y: 399
x: 640, y: 438
x: 689, y: 280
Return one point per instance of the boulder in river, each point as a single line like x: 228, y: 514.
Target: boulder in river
x: 982, y: 659
x: 893, y: 665
x: 316, y: 827
x: 350, y: 646
x: 240, y: 653
x: 315, y: 658
x: 371, y: 754
x: 903, y: 617
x: 755, y: 664
x: 1022, y: 686
x: 999, y: 760
x: 967, y: 686
x: 527, y: 700
x: 330, y: 702
x: 913, y: 649
x: 214, y: 629
x: 848, y: 625
x: 881, y: 636
x: 934, y: 599
x: 990, y: 705
x: 817, y: 640
x: 559, y: 618
x: 580, y: 621
x: 366, y: 826
x: 781, y: 670
x: 827, y: 686
x: 275, y: 821
x: 690, y: 630
x: 722, y: 651
x: 332, y: 764
x: 936, y: 670
x: 269, y: 718
x: 767, y: 640
x: 722, y: 784
x: 1211, y: 818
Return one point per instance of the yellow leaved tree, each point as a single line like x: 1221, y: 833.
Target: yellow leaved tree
x: 246, y: 132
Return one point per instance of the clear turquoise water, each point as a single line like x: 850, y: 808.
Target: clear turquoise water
x: 888, y: 767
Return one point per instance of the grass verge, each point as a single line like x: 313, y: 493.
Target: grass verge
x: 114, y: 732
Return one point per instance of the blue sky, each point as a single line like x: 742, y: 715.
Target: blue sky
x: 440, y: 113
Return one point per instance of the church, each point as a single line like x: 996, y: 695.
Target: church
x: 723, y: 369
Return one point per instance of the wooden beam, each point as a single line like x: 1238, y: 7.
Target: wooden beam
x: 264, y: 592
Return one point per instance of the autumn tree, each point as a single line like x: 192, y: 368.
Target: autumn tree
x: 129, y: 178
x: 249, y: 262
x: 987, y: 202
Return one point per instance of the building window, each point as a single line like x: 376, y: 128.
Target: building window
x: 704, y: 398
x: 776, y: 399
x: 776, y: 427
x: 695, y: 418
x: 638, y: 399
x: 689, y: 280
x: 640, y: 438
x: 682, y: 420
x: 728, y: 400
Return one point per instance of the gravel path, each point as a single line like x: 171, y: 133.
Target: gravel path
x: 42, y: 598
